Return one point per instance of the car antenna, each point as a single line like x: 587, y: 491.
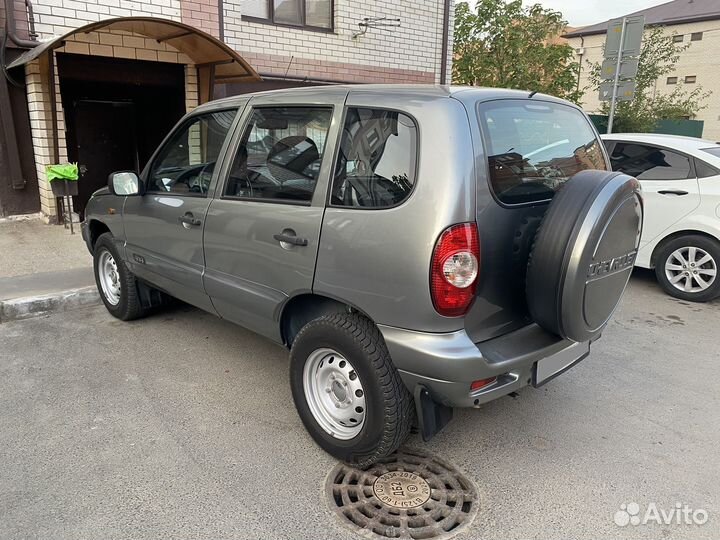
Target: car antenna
x: 532, y: 94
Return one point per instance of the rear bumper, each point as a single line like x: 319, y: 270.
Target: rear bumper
x: 447, y: 364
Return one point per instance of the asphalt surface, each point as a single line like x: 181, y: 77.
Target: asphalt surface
x: 182, y: 426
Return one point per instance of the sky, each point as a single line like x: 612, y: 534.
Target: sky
x: 585, y: 12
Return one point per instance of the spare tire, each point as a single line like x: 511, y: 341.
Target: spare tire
x: 584, y: 253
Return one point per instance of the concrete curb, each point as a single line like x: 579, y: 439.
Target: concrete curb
x: 16, y: 309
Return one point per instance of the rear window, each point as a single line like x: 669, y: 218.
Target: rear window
x: 713, y: 151
x: 534, y: 147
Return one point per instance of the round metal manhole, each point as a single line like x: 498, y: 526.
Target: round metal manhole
x: 408, y: 495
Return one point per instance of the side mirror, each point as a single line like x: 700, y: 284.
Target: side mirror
x: 124, y: 183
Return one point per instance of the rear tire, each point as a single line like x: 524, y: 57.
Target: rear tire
x: 679, y: 278
x: 115, y: 282
x: 339, y: 363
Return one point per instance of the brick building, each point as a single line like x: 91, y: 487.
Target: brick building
x: 101, y: 82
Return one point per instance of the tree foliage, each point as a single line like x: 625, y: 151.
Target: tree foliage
x: 658, y: 56
x: 504, y: 44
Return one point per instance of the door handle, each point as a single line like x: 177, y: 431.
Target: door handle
x: 188, y: 220
x: 672, y: 192
x: 287, y: 239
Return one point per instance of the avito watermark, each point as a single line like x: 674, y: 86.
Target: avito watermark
x: 679, y: 514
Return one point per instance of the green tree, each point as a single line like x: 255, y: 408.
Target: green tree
x: 503, y: 44
x: 658, y: 56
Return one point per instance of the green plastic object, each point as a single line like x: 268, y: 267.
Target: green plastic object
x: 65, y: 171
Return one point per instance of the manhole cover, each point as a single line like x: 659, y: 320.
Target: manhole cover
x: 408, y: 495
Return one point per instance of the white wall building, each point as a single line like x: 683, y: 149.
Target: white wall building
x: 696, y: 22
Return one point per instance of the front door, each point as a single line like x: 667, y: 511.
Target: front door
x: 164, y: 227
x: 263, y: 227
x: 106, y: 141
x: 670, y: 186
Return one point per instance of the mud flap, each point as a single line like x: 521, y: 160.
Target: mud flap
x: 432, y: 416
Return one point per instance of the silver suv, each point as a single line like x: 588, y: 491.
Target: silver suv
x: 417, y: 248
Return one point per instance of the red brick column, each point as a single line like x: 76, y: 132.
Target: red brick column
x: 202, y: 14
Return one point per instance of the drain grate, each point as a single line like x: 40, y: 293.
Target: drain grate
x: 408, y: 495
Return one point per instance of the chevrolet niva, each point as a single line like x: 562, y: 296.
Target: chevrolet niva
x: 416, y: 248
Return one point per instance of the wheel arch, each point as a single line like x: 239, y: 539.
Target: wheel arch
x: 677, y: 234
x: 299, y: 310
x: 96, y: 228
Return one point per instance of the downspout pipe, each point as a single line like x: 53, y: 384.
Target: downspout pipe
x: 12, y: 28
x: 445, y: 42
x: 8, y: 114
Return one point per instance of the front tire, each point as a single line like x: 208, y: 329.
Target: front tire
x: 347, y: 391
x: 115, y: 282
x: 686, y: 267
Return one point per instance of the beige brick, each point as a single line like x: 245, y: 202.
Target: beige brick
x: 123, y: 52
x: 167, y: 56
x: 76, y: 47
x: 101, y: 50
x: 133, y: 41
x: 111, y: 39
x: 144, y: 54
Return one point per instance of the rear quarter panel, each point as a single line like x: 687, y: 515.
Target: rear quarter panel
x: 379, y: 260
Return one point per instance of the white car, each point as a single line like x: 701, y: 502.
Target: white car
x: 680, y: 177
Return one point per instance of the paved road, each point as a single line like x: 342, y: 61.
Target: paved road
x: 182, y: 425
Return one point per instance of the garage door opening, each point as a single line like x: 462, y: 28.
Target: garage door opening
x: 117, y: 112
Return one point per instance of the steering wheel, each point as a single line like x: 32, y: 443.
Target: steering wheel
x: 197, y: 172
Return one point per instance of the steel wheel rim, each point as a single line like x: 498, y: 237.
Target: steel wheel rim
x: 691, y: 269
x: 109, y: 277
x: 334, y: 394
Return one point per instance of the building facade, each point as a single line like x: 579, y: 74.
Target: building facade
x: 693, y: 22
x: 86, y: 76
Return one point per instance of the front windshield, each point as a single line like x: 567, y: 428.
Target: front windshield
x: 534, y: 147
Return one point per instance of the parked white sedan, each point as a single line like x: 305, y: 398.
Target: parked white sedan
x: 680, y: 177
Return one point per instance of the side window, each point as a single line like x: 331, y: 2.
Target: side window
x: 186, y: 163
x: 649, y: 162
x: 705, y: 170
x: 376, y: 163
x: 280, y: 154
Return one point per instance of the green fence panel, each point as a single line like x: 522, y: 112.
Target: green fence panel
x: 689, y: 128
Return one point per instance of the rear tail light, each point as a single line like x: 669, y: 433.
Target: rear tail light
x: 454, y: 269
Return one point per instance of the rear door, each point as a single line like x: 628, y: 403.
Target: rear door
x: 164, y: 227
x: 669, y: 182
x: 263, y: 227
x: 526, y: 150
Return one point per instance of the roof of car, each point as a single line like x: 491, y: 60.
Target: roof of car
x: 411, y: 90
x: 674, y: 141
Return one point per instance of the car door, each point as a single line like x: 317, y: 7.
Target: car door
x: 263, y: 226
x: 164, y: 227
x: 669, y: 182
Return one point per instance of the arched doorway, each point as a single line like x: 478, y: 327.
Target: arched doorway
x: 105, y: 94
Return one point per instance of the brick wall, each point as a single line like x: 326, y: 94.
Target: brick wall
x: 116, y: 44
x: 410, y: 53
x: 413, y: 47
x: 55, y: 17
x: 202, y: 14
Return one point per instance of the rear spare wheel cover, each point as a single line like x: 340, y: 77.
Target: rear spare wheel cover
x: 584, y: 253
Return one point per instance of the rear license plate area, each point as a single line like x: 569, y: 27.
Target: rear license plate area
x: 548, y: 368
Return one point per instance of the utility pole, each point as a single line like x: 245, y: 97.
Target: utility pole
x: 618, y: 64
